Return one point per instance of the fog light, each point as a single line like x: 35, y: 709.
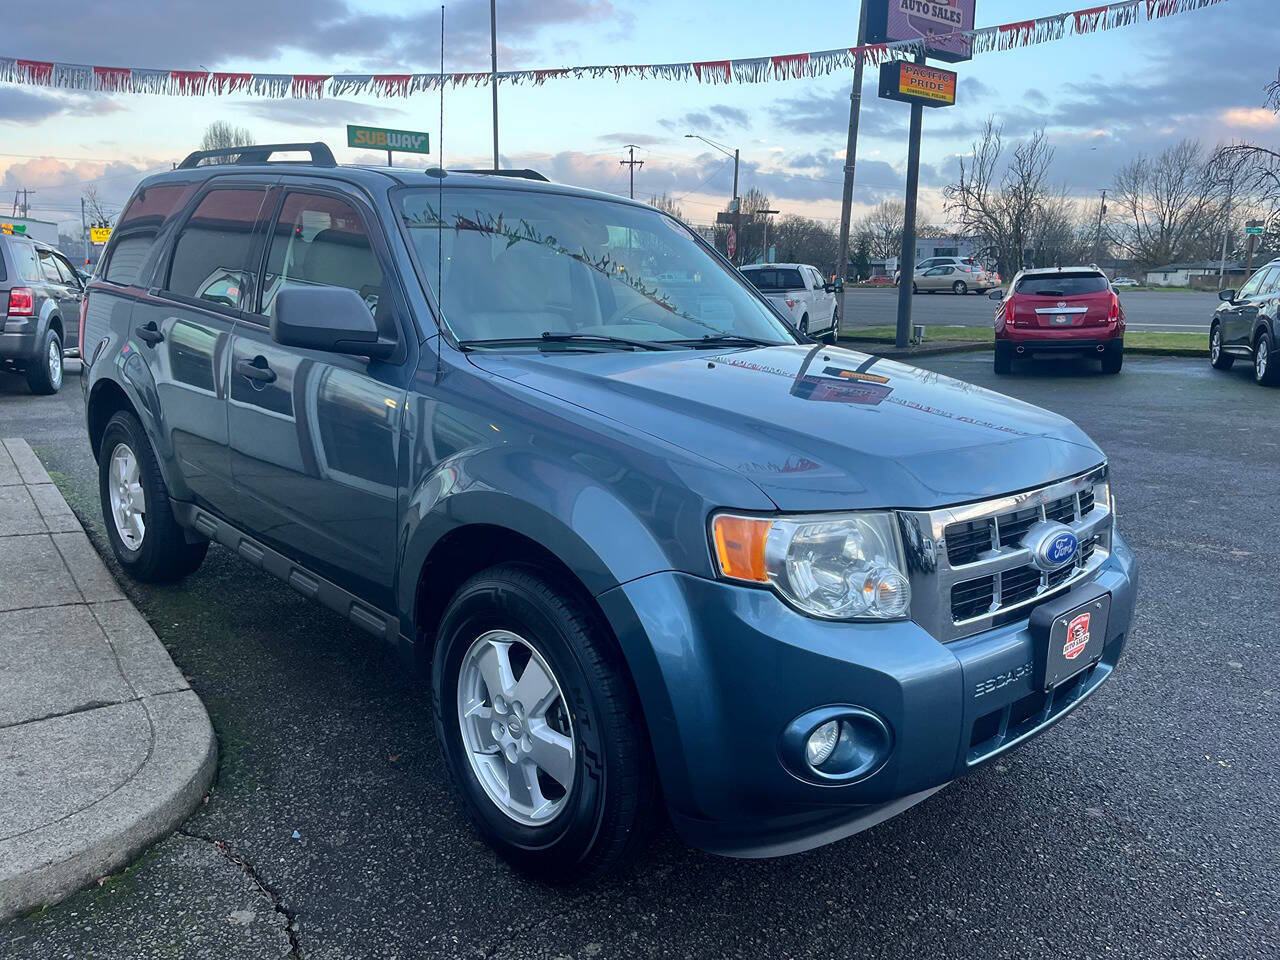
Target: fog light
x: 822, y: 742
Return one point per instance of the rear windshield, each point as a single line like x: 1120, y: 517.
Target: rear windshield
x: 775, y: 279
x: 1062, y: 285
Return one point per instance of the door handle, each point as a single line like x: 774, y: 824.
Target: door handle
x: 256, y: 370
x: 150, y: 334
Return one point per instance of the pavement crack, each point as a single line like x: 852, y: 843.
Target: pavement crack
x: 267, y: 890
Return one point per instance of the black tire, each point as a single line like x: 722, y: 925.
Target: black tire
x: 1266, y: 372
x: 608, y: 810
x: 1113, y: 359
x: 1219, y: 358
x: 39, y: 378
x: 832, y: 336
x: 164, y: 553
x: 914, y: 288
x: 804, y: 324
x: 960, y: 288
x: 1004, y: 358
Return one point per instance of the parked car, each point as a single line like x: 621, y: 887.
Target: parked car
x: 801, y: 293
x: 40, y: 293
x: 649, y: 547
x: 963, y: 265
x: 958, y: 278
x: 1246, y: 326
x: 1124, y: 282
x: 1059, y: 311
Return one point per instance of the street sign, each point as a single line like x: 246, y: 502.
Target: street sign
x: 731, y: 244
x: 892, y: 20
x: 914, y: 83
x: 379, y: 138
x: 99, y: 234
x: 1254, y: 230
x: 10, y: 229
x: 744, y: 218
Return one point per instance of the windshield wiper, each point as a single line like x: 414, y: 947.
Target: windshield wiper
x: 557, y: 337
x: 728, y: 339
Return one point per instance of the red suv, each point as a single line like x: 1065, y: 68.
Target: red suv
x: 1063, y: 310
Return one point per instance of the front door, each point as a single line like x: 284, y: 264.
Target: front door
x: 313, y: 434
x: 1243, y: 312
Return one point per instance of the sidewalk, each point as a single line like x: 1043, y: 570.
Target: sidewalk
x: 104, y: 748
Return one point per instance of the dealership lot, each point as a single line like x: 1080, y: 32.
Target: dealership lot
x: 1143, y: 826
x: 1156, y: 311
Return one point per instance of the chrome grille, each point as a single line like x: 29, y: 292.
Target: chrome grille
x: 969, y: 569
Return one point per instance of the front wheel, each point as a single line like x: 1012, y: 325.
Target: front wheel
x: 1219, y: 358
x: 1265, y: 370
x: 540, y: 725
x: 144, y: 535
x: 44, y: 371
x: 960, y: 288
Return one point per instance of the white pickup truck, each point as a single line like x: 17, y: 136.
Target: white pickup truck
x: 801, y: 293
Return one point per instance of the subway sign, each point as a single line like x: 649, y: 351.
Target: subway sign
x: 915, y: 83
x: 378, y: 138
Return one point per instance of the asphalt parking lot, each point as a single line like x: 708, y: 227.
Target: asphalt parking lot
x: 1143, y: 826
x: 1155, y: 311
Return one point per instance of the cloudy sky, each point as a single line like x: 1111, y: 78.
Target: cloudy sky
x: 1102, y: 98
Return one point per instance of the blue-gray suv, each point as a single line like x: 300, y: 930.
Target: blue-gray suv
x: 653, y: 547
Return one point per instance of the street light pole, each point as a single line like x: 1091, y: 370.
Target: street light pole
x: 737, y: 217
x: 850, y: 161
x: 907, y: 269
x: 765, y: 214
x: 493, y: 76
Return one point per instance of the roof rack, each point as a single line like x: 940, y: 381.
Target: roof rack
x: 321, y: 155
x: 525, y: 174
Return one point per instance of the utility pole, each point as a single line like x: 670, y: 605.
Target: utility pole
x: 850, y: 161
x: 84, y: 227
x: 907, y: 271
x: 737, y: 214
x: 1226, y: 231
x: 765, y: 214
x: 632, y: 163
x: 1097, y: 243
x: 493, y: 77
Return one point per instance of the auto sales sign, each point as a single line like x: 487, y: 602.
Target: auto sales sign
x: 892, y: 20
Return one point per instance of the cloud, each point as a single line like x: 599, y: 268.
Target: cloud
x: 1250, y: 118
x: 639, y: 139
x: 34, y: 106
x: 827, y: 112
x: 308, y: 113
x: 181, y: 33
x: 719, y: 118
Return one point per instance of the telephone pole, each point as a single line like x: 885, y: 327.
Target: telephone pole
x: 850, y: 161
x: 1097, y: 243
x: 493, y: 76
x: 84, y: 229
x: 632, y: 163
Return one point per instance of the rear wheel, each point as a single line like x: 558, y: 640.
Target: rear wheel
x: 804, y: 324
x: 1265, y: 370
x: 914, y: 288
x: 1113, y: 359
x: 960, y: 287
x: 540, y: 725
x: 833, y: 335
x: 1219, y: 358
x: 44, y: 371
x: 1004, y: 358
x: 144, y: 535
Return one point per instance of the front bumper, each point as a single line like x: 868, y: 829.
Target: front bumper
x: 723, y: 669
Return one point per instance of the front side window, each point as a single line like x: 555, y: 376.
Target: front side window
x: 1257, y: 284
x: 49, y: 267
x: 321, y: 241
x: 512, y: 265
x: 211, y: 255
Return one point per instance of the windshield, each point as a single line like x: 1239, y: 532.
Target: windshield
x: 775, y: 279
x: 1062, y: 285
x: 514, y: 265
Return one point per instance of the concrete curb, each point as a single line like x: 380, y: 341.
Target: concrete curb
x: 104, y: 748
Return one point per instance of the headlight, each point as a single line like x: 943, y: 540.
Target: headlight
x: 840, y: 567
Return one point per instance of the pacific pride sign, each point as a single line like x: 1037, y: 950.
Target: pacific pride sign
x: 892, y: 20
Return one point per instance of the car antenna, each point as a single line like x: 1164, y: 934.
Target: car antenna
x: 440, y: 198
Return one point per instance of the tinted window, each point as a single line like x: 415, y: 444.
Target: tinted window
x: 211, y: 255
x: 24, y: 260
x: 49, y: 267
x: 321, y: 241
x: 515, y: 264
x: 1063, y: 285
x: 775, y: 279
x: 68, y: 272
x: 1258, y: 284
x: 138, y: 226
x: 1271, y: 286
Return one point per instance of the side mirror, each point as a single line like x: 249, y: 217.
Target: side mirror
x: 828, y: 288
x: 995, y: 295
x: 1227, y: 296
x: 333, y: 319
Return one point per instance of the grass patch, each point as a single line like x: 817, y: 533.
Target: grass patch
x: 1144, y: 340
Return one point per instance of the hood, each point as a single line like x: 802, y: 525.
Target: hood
x: 816, y: 427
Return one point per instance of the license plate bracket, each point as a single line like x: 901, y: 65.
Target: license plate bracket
x: 1069, y: 634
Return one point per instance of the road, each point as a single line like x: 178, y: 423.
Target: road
x: 1183, y: 312
x: 1144, y: 826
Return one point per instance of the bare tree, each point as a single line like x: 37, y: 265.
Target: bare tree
x: 668, y: 206
x: 881, y: 230
x: 751, y: 237
x: 95, y: 210
x: 1002, y: 203
x: 802, y: 240
x: 1251, y: 172
x: 1168, y: 207
x: 221, y: 135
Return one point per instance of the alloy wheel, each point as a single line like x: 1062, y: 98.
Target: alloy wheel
x: 1215, y: 345
x: 54, y: 359
x: 1261, y: 359
x: 128, y: 500
x: 516, y: 728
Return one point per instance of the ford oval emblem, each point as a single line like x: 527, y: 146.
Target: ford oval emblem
x: 1052, y: 545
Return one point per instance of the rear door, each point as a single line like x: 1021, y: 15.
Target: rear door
x: 72, y: 292
x: 183, y: 331
x: 313, y: 434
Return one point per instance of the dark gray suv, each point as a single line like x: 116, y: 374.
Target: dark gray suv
x: 652, y: 547
x: 40, y: 295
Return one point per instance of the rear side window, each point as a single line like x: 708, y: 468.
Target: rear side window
x: 49, y: 267
x: 25, y: 262
x: 1063, y: 285
x: 139, y: 225
x: 211, y: 255
x: 321, y: 241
